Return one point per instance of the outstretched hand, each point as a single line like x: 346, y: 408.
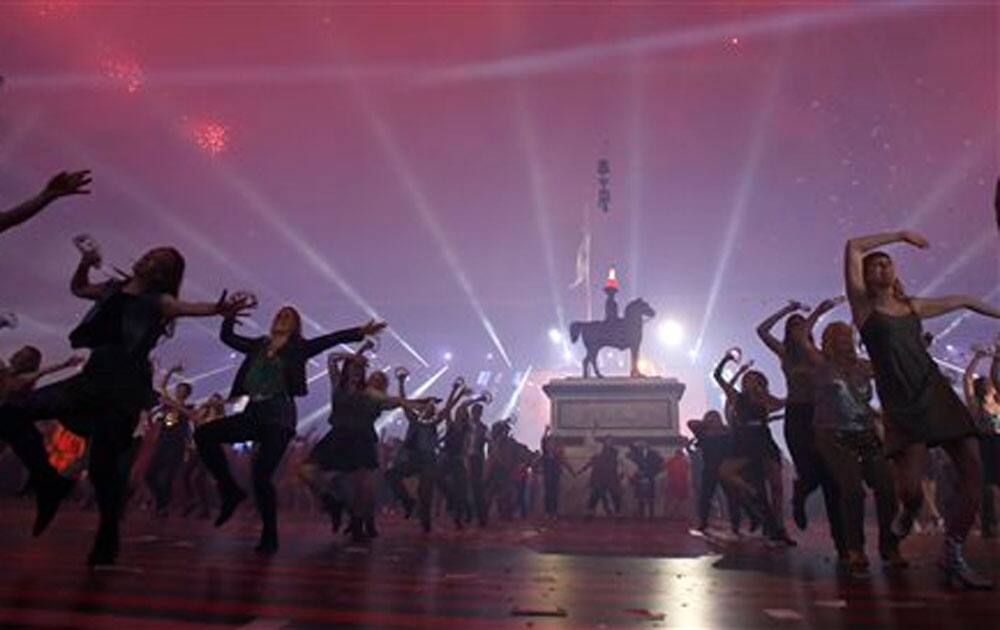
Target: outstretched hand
x: 832, y: 303
x: 234, y: 306
x: 795, y: 305
x: 68, y: 183
x: 373, y: 327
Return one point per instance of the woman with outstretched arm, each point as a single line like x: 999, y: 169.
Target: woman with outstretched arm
x: 921, y: 409
x: 272, y: 375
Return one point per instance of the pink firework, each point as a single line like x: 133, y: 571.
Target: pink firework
x: 211, y: 136
x: 55, y: 8
x: 125, y: 72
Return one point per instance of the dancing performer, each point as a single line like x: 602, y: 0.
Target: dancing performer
x: 478, y: 442
x: 984, y: 404
x: 714, y: 441
x: 847, y: 440
x: 105, y: 399
x: 25, y: 369
x: 173, y: 419
x: 454, y: 446
x: 794, y: 352
x: 64, y: 184
x: 552, y: 462
x: 605, y: 480
x: 648, y: 466
x: 273, y: 374
x: 754, y: 452
x: 417, y: 456
x: 921, y: 410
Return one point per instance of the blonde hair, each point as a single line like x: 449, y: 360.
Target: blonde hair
x: 830, y: 333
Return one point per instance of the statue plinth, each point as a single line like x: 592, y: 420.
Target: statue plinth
x: 622, y: 410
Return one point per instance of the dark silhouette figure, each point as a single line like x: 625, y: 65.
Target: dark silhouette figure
x: 624, y: 333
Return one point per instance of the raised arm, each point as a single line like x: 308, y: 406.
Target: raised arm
x: 765, y: 327
x: 80, y: 285
x: 323, y: 343
x: 61, y: 185
x: 28, y: 379
x: 927, y: 308
x: 854, y: 273
x: 968, y: 382
x: 230, y: 307
x: 231, y: 338
x: 727, y: 387
x: 995, y: 364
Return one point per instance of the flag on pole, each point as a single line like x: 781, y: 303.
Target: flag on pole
x: 582, y: 262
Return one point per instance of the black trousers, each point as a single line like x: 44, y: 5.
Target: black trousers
x: 477, y: 482
x: 163, y: 467
x: 857, y: 458
x: 266, y: 424
x: 989, y: 451
x: 810, y: 469
x: 104, y: 409
x: 551, y: 491
x: 456, y: 482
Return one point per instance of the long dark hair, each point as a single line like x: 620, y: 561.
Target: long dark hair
x: 793, y: 349
x: 169, y: 279
x: 898, y: 291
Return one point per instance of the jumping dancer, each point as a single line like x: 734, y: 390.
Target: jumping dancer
x: 273, y: 374
x: 105, y: 399
x: 921, y: 410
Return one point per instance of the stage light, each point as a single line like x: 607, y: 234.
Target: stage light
x: 555, y: 336
x: 671, y: 333
x: 646, y: 367
x: 489, y: 356
x: 448, y: 356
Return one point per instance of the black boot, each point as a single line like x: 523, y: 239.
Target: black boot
x: 48, y: 496
x: 231, y: 499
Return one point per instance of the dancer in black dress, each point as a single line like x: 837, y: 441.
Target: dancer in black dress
x: 273, y: 374
x: 61, y: 185
x: 714, y: 441
x: 552, y: 462
x: 104, y: 401
x: 353, y: 415
x: 921, y: 409
x: 454, y: 446
x: 754, y: 453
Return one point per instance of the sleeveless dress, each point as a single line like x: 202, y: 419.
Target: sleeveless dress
x: 751, y: 435
x: 919, y: 404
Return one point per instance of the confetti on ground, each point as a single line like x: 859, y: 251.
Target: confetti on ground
x: 783, y: 614
x: 646, y: 614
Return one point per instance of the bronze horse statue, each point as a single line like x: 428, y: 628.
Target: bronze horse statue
x: 623, y: 333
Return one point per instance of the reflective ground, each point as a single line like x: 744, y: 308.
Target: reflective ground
x: 179, y: 573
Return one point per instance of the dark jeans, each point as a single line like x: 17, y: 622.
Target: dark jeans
x: 163, y: 468
x: 857, y: 458
x: 608, y: 494
x: 266, y: 424
x: 810, y: 469
x: 106, y: 410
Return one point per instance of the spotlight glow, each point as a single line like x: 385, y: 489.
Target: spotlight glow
x: 555, y: 336
x: 671, y: 333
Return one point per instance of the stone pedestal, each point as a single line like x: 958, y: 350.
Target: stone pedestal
x: 621, y: 410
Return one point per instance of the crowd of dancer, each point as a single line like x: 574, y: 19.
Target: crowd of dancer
x: 138, y: 440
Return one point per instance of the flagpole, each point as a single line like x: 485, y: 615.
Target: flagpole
x: 590, y: 244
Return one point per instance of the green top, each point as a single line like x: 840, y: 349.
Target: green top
x: 266, y: 377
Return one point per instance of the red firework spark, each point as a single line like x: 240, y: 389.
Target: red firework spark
x: 124, y: 71
x: 211, y: 136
